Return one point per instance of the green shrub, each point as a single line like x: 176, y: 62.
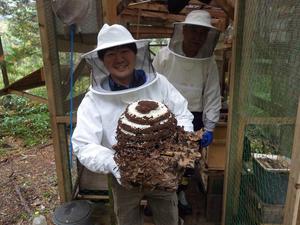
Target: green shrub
x: 21, y: 118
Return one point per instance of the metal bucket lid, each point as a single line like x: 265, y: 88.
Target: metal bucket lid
x: 73, y: 213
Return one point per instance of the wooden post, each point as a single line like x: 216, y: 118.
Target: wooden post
x: 53, y: 84
x: 3, y: 66
x: 234, y: 82
x: 291, y: 212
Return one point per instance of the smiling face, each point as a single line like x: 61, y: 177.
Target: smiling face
x: 193, y: 39
x: 120, y: 62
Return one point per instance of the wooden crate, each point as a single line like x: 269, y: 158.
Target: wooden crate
x: 93, y: 186
x: 261, y: 212
x: 93, y: 181
x: 215, y: 155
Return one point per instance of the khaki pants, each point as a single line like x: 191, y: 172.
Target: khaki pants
x: 129, y: 212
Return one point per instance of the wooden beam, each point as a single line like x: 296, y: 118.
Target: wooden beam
x: 27, y: 95
x: 167, y: 18
x: 150, y: 32
x: 32, y: 80
x: 233, y: 84
x: 291, y: 212
x: 150, y: 7
x: 269, y: 120
x: 92, y: 197
x: 53, y: 84
x: 158, y: 7
x: 238, y: 165
x: 160, y: 15
x: 146, y: 21
x: 3, y: 66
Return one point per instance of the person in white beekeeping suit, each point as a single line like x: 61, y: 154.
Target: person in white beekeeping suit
x: 122, y: 73
x: 189, y: 65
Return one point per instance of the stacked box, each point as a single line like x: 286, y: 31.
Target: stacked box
x: 271, y: 183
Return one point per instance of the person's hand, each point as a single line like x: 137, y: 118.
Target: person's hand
x: 207, y: 138
x: 114, y: 169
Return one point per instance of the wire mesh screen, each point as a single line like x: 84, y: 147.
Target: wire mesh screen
x: 265, y: 97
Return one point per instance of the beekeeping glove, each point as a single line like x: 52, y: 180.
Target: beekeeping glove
x: 207, y: 138
x: 114, y: 169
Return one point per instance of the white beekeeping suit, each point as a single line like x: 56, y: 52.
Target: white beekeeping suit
x: 196, y: 76
x: 98, y: 113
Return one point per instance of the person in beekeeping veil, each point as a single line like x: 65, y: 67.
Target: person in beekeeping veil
x: 189, y: 65
x: 122, y: 73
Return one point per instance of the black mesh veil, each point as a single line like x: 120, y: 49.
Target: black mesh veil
x: 201, y: 39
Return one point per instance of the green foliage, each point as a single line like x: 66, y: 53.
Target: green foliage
x: 20, y: 40
x: 23, y: 119
x: 264, y: 138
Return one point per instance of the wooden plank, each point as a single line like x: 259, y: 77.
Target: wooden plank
x: 3, y: 66
x: 53, y: 84
x: 32, y: 80
x: 269, y: 120
x: 91, y: 181
x: 30, y: 96
x: 92, y: 197
x: 153, y: 6
x: 160, y: 15
x: 150, y: 7
x: 232, y: 85
x: 238, y: 165
x: 293, y: 193
x: 167, y: 17
x: 150, y: 31
x: 131, y: 19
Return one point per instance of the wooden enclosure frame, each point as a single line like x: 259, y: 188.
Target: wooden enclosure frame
x: 292, y: 209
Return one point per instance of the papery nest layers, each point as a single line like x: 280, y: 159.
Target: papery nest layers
x: 153, y: 154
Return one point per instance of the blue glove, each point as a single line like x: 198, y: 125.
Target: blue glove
x: 207, y: 139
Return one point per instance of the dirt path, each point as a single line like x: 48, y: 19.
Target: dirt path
x: 28, y: 184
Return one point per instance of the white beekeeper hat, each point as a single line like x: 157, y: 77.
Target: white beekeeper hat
x: 111, y: 36
x: 198, y: 17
